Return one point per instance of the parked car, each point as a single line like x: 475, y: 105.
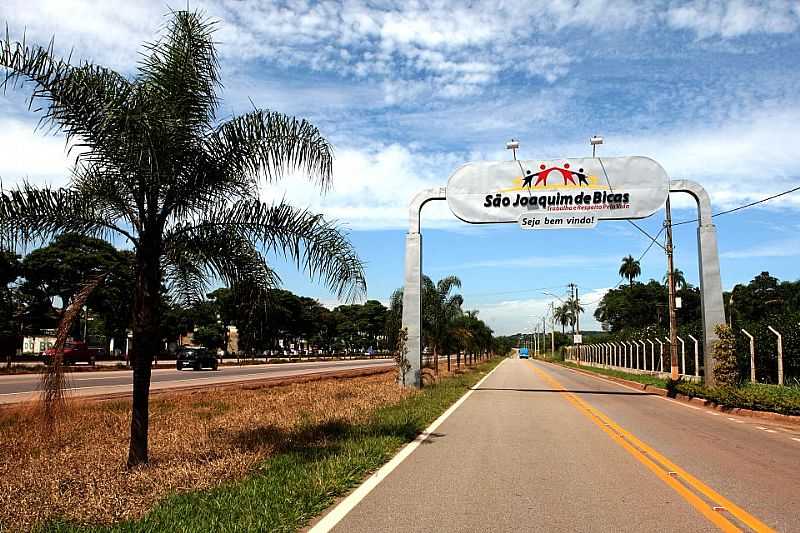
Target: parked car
x: 195, y: 358
x: 74, y: 352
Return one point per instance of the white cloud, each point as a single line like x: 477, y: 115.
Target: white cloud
x: 372, y: 187
x: 734, y: 18
x: 30, y: 155
x: 787, y: 248
x: 522, y: 315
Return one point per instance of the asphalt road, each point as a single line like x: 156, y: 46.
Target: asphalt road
x: 521, y: 454
x: 16, y: 388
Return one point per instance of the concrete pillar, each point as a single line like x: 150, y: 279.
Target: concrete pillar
x: 713, y: 310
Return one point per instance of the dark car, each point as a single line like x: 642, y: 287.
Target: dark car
x: 74, y: 352
x: 195, y: 358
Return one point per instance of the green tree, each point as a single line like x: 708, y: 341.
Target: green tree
x: 574, y: 309
x: 630, y: 269
x: 440, y: 309
x: 679, y: 277
x: 60, y: 269
x: 726, y: 369
x: 10, y: 270
x: 160, y: 170
x: 563, y: 316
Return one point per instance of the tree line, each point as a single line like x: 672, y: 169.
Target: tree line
x: 640, y: 309
x: 55, y: 273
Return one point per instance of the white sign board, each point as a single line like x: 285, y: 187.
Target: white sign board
x: 604, y: 188
x: 577, y: 339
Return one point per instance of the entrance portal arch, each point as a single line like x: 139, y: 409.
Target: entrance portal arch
x: 631, y: 179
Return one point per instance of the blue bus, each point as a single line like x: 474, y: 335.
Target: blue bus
x: 523, y: 353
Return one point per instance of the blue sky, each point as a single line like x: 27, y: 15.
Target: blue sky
x: 408, y: 91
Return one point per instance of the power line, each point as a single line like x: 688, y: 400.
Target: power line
x: 653, y: 241
x: 745, y: 206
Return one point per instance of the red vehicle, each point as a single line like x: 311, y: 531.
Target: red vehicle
x: 74, y: 352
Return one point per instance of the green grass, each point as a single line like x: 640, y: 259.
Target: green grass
x: 294, y: 486
x: 644, y: 379
x: 755, y: 396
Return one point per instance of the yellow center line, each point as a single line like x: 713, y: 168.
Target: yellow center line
x: 662, y: 467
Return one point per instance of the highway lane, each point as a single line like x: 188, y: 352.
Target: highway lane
x: 522, y: 454
x: 16, y: 388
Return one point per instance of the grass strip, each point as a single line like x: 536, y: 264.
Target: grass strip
x: 753, y: 396
x: 644, y: 379
x: 319, y: 463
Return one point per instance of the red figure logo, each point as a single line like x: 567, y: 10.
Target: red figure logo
x: 544, y: 171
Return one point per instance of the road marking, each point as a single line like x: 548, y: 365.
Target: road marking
x: 330, y: 520
x: 660, y: 465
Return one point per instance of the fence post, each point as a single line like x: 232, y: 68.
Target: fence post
x: 780, y: 354
x: 683, y: 353
x: 644, y: 354
x: 660, y: 355
x: 652, y: 355
x: 752, y: 355
x: 696, y: 357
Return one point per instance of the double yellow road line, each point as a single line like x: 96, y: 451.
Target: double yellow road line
x: 682, y: 482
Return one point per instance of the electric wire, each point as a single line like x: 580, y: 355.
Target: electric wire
x: 745, y: 206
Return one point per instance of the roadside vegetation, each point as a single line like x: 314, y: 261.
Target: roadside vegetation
x: 252, y: 459
x: 754, y: 396
x: 644, y: 379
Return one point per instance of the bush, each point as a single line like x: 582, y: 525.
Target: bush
x: 755, y: 396
x: 726, y: 368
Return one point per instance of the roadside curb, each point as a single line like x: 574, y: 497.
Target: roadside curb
x: 708, y: 404
x: 252, y: 384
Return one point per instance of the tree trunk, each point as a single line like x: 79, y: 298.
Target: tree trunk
x: 145, y: 344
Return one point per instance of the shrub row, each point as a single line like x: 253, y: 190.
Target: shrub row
x: 755, y: 396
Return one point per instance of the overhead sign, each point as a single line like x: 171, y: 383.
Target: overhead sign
x: 604, y: 188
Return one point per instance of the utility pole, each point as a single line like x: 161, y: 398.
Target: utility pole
x: 673, y: 320
x: 572, y: 292
x: 552, y: 331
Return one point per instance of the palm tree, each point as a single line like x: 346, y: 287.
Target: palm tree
x: 630, y: 269
x: 574, y: 309
x: 562, y: 314
x: 678, y: 278
x: 159, y: 169
x: 440, y: 310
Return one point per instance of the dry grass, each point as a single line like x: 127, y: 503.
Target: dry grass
x: 197, y: 440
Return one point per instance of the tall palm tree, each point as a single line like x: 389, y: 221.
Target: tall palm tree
x: 678, y: 277
x: 440, y: 310
x: 563, y: 315
x: 574, y: 309
x: 630, y: 269
x: 158, y: 169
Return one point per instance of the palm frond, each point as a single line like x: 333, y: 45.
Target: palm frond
x: 35, y: 214
x: 317, y: 246
x: 267, y: 143
x: 86, y: 102
x: 181, y: 71
x: 206, y: 253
